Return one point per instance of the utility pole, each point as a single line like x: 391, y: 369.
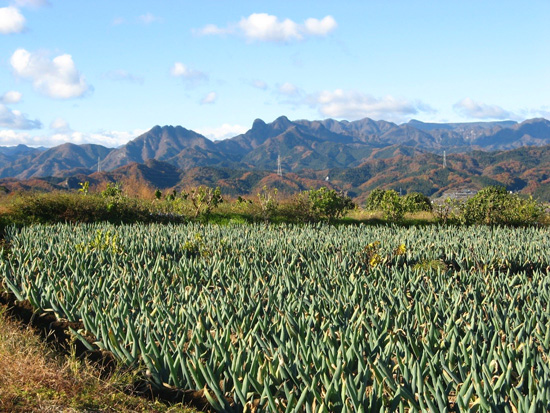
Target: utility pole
x: 98, y: 167
x: 279, y: 169
x: 444, y: 159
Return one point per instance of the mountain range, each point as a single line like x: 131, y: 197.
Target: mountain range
x: 356, y: 156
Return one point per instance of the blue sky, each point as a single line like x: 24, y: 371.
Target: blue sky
x: 105, y: 71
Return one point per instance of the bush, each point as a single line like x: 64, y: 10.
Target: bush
x: 494, y: 205
x: 297, y: 209
x: 204, y: 199
x: 449, y: 211
x: 329, y: 204
x: 392, y: 206
x: 374, y: 200
x: 72, y: 207
x: 269, y: 204
x: 416, y: 202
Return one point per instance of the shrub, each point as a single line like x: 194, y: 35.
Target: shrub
x: 269, y: 204
x: 374, y: 200
x: 112, y: 190
x: 494, y: 205
x: 73, y: 207
x: 329, y: 204
x: 204, y: 199
x: 416, y: 202
x: 448, y: 211
x: 392, y: 206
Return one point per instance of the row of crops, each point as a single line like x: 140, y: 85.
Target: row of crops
x: 306, y: 318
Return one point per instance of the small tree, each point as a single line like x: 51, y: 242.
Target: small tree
x: 374, y: 200
x: 268, y: 202
x: 204, y: 199
x: 392, y: 206
x: 448, y: 211
x: 112, y: 190
x: 494, y: 205
x: 328, y: 203
x: 416, y: 202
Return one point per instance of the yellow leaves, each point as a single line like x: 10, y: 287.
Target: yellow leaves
x: 375, y: 260
x: 373, y: 257
x: 400, y: 250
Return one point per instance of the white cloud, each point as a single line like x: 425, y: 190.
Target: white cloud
x: 472, y: 109
x: 321, y: 27
x: 60, y: 125
x: 118, y: 21
x: 209, y: 98
x: 212, y: 29
x: 11, y: 20
x: 269, y: 28
x: 62, y: 132
x: 266, y: 27
x: 123, y: 76
x: 259, y: 84
x: 12, y: 138
x: 224, y: 131
x: 351, y: 105
x: 110, y: 139
x: 14, y: 119
x: 57, y: 78
x: 288, y: 89
x: 148, y: 18
x: 11, y: 97
x: 31, y: 3
x: 542, y: 112
x: 191, y: 76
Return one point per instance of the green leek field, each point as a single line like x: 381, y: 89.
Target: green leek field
x: 311, y: 318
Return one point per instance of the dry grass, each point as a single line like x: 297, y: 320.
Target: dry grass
x: 33, y: 378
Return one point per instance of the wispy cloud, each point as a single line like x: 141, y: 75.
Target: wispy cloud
x: 288, y: 89
x: 117, y: 21
x: 148, y: 18
x: 121, y: 75
x: 60, y: 132
x: 31, y: 3
x: 477, y: 110
x: 110, y: 139
x: 14, y: 119
x: 144, y: 19
x: 209, y: 98
x: 259, y: 84
x: 57, y: 78
x: 189, y: 75
x: 350, y: 104
x: 265, y: 27
x: 60, y: 125
x: 11, y: 20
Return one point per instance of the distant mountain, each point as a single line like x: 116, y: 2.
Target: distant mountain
x: 176, y: 145
x: 301, y: 145
x: 56, y: 161
x: 405, y: 169
x: 13, y: 153
x: 533, y: 132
